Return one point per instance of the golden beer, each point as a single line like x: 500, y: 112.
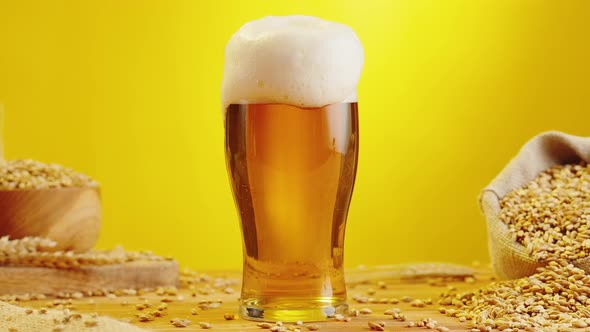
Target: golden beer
x: 292, y: 174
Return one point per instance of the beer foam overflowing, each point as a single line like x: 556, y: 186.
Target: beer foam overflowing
x: 297, y: 60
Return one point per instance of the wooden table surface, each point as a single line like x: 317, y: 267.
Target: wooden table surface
x: 123, y: 307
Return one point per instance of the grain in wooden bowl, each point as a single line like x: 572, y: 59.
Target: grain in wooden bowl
x: 49, y: 201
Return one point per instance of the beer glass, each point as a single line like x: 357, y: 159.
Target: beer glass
x: 292, y: 166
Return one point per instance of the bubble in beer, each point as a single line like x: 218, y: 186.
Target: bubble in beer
x: 297, y: 60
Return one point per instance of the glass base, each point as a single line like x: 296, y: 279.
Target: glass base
x: 290, y: 312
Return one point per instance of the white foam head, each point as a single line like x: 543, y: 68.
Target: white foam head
x: 298, y: 60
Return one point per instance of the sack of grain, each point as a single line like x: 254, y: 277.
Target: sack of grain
x: 509, y: 258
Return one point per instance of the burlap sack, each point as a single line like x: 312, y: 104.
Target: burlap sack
x: 15, y: 318
x: 509, y: 258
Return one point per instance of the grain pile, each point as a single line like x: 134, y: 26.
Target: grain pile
x: 31, y: 174
x: 555, y: 298
x: 35, y: 251
x: 550, y: 216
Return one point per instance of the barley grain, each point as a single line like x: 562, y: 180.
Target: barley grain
x: 178, y: 322
x: 204, y: 325
x: 525, y: 302
x: 31, y: 174
x: 550, y: 216
x: 35, y: 251
x: 376, y: 326
x: 145, y: 317
x: 418, y: 303
x: 365, y: 311
x: 157, y: 313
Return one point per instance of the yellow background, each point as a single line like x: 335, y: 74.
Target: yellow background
x: 128, y: 92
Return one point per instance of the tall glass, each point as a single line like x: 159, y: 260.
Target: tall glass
x: 292, y: 173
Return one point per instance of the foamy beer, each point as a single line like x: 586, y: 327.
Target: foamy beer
x: 291, y: 125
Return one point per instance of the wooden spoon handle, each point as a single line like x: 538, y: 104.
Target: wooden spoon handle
x: 407, y: 271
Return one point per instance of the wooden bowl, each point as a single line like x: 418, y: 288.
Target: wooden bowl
x: 69, y: 216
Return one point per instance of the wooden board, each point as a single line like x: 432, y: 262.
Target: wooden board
x: 41, y: 280
x: 123, y: 307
